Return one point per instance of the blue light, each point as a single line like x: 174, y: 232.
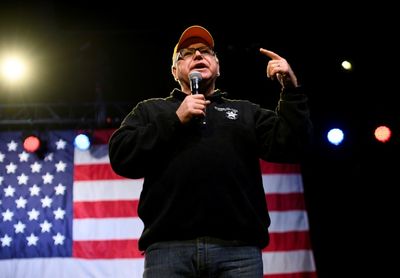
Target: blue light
x: 335, y: 136
x: 82, y: 142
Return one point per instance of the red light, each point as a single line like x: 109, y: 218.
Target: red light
x: 383, y: 133
x: 31, y: 143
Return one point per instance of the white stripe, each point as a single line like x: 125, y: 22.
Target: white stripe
x: 88, y: 157
x: 107, y: 190
x: 282, y: 183
x: 288, y: 221
x: 131, y: 228
x: 288, y: 262
x: 69, y: 267
x: 130, y: 189
x: 107, y: 228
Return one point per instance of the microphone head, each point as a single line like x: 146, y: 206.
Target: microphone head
x: 195, y: 75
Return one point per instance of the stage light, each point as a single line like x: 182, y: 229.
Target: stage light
x: 82, y: 141
x: 347, y: 65
x: 14, y: 68
x: 382, y: 134
x: 31, y: 143
x: 335, y: 136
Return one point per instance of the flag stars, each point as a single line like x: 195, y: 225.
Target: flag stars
x: 19, y: 227
x: 21, y: 202
x: 23, y: 157
x: 45, y: 226
x: 9, y: 191
x: 59, y: 213
x: 49, y: 157
x: 60, y: 166
x: 60, y: 189
x: 30, y: 190
x: 61, y: 144
x: 7, y: 215
x: 32, y: 239
x: 34, y: 189
x: 12, y: 146
x: 46, y: 201
x: 36, y: 167
x: 22, y: 179
x: 5, y: 240
x: 11, y: 167
x: 33, y: 214
x: 58, y: 239
x: 47, y: 178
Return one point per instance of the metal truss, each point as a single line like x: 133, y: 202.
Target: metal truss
x: 63, y: 115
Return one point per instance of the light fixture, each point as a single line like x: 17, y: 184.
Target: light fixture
x: 82, y: 141
x: 31, y: 143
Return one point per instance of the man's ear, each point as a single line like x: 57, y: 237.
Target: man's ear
x: 217, y: 61
x: 173, y: 71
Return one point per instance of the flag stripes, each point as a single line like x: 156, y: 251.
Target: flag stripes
x: 106, y: 228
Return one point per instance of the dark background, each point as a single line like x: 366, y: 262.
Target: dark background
x: 116, y: 51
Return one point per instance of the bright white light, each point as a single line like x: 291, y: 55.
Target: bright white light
x: 13, y: 69
x: 347, y: 65
x: 335, y: 136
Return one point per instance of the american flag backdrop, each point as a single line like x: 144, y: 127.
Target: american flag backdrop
x: 67, y: 214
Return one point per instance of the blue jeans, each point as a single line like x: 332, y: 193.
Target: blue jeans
x: 203, y: 257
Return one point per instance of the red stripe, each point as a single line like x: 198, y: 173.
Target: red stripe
x: 95, y: 172
x: 106, y: 249
x: 104, y: 171
x: 289, y: 241
x: 279, y: 168
x: 285, y: 202
x: 292, y: 275
x: 96, y: 249
x: 120, y: 208
x: 105, y: 209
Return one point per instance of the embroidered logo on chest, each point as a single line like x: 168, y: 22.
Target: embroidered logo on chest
x: 230, y: 113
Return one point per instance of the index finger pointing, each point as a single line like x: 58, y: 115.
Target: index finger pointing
x: 270, y: 54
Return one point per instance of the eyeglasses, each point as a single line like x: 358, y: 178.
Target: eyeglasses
x: 186, y: 53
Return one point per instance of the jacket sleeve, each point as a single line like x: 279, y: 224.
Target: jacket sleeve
x: 141, y: 137
x: 286, y: 135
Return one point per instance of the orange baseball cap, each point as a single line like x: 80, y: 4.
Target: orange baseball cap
x: 193, y: 34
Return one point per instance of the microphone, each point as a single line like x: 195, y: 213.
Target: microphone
x: 195, y: 78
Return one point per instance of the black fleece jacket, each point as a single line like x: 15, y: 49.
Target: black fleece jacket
x: 205, y: 180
